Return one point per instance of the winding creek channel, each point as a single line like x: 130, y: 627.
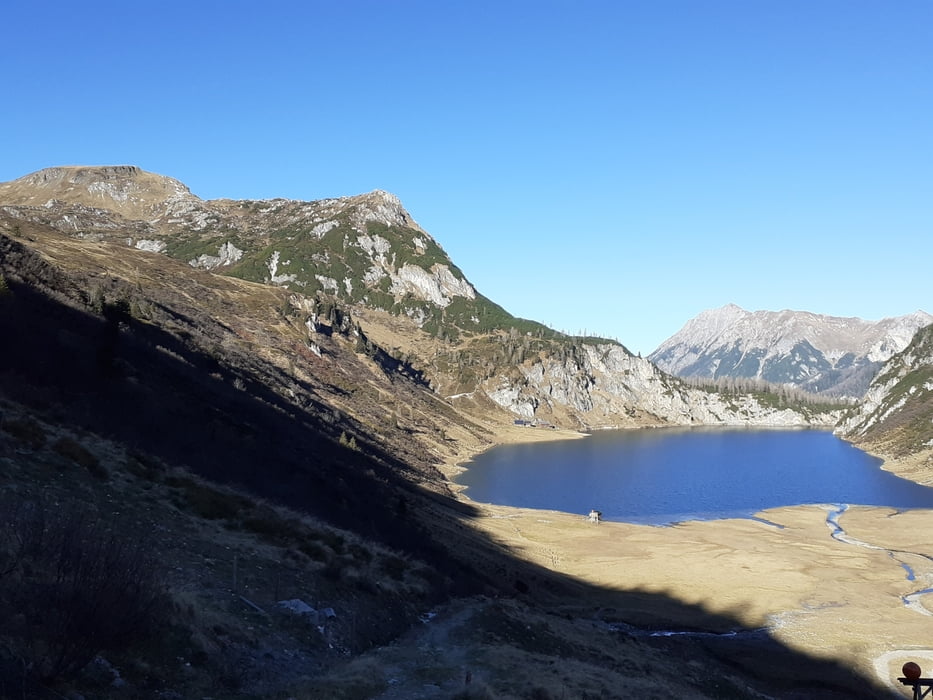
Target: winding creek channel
x: 911, y: 600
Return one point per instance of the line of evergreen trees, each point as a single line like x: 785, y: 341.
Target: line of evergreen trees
x: 778, y: 394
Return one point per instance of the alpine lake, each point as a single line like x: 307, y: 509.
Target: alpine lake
x: 668, y: 475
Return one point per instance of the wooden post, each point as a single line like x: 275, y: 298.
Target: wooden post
x: 918, y: 685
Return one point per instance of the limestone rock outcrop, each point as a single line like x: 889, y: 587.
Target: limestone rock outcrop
x: 606, y: 386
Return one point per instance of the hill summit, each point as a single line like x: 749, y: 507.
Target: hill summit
x: 124, y: 189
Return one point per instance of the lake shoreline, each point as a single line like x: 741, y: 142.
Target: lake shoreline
x: 782, y: 570
x: 917, y: 467
x: 680, y: 473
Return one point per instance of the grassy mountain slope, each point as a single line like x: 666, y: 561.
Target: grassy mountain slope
x: 896, y: 417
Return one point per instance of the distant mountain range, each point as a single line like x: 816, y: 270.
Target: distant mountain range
x: 820, y: 354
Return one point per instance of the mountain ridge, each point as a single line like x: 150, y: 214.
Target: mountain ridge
x: 900, y: 399
x: 366, y: 252
x: 253, y: 239
x: 816, y: 352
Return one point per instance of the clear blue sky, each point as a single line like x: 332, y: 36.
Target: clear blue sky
x: 614, y: 167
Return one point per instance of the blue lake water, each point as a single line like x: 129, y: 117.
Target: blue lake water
x: 669, y: 475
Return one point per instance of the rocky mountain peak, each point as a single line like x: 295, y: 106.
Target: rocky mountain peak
x: 82, y: 175
x: 711, y: 322
x: 380, y: 207
x: 362, y: 249
x: 125, y: 189
x: 824, y: 354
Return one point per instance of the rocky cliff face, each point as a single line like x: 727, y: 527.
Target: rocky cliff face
x: 820, y: 354
x: 898, y: 408
x: 366, y: 252
x: 602, y: 385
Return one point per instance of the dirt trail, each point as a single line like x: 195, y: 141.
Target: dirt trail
x: 429, y: 662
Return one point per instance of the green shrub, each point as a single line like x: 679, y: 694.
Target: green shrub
x: 360, y: 553
x: 144, y: 466
x: 394, y: 567
x: 315, y: 551
x: 333, y: 540
x: 271, y: 526
x: 206, y: 501
x: 77, y: 589
x: 334, y: 569
x: 351, y: 442
x: 26, y: 431
x: 72, y: 449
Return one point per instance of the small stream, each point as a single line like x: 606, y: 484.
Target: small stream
x: 911, y: 600
x: 633, y: 631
